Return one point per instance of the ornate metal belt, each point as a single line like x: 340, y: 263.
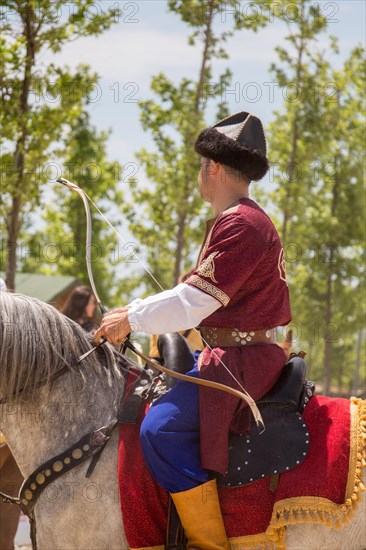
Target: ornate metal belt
x: 228, y: 337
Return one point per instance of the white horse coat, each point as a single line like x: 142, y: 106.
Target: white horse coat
x: 75, y: 512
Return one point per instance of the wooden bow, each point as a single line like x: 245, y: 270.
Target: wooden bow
x: 244, y: 396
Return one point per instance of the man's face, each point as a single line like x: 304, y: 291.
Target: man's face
x: 206, y: 179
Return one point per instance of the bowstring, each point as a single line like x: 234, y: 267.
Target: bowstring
x: 123, y: 240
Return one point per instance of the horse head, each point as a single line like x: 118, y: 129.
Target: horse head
x: 38, y: 342
x: 47, y: 397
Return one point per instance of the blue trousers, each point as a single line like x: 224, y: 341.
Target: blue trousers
x: 170, y: 438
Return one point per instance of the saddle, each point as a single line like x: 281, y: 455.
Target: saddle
x: 284, y: 443
x: 281, y: 447
x: 150, y: 384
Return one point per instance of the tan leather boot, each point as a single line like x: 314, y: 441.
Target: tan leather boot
x: 200, y: 514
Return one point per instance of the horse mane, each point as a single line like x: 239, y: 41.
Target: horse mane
x: 36, y: 341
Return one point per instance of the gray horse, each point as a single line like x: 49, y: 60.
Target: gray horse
x: 49, y: 416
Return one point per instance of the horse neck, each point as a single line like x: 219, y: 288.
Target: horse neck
x: 40, y: 429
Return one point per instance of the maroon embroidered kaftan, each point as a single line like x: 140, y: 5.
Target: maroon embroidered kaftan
x: 242, y: 265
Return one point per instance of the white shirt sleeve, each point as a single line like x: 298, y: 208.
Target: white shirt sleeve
x: 180, y: 308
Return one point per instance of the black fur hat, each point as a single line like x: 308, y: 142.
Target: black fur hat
x: 238, y: 142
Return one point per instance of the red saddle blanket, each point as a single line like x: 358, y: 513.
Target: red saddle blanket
x: 322, y: 489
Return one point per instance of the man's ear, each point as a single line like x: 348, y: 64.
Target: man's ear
x: 215, y: 167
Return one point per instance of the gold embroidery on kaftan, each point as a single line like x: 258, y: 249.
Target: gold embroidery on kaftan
x: 207, y: 267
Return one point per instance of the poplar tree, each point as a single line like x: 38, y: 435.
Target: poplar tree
x: 335, y: 214
x: 316, y: 145
x: 60, y: 247
x: 166, y: 216
x: 292, y: 134
x: 38, y: 101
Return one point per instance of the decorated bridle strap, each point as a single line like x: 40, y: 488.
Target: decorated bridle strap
x: 31, y: 489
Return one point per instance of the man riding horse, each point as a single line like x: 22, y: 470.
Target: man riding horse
x: 237, y: 295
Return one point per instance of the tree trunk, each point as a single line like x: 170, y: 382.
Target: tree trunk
x: 13, y: 225
x: 340, y: 380
x: 328, y: 346
x: 356, y: 374
x: 292, y: 165
x: 197, y: 109
x: 309, y: 359
x: 14, y: 219
x: 179, y: 248
x: 205, y: 57
x: 288, y: 208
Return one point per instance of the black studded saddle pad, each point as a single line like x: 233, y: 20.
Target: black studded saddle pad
x: 280, y: 448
